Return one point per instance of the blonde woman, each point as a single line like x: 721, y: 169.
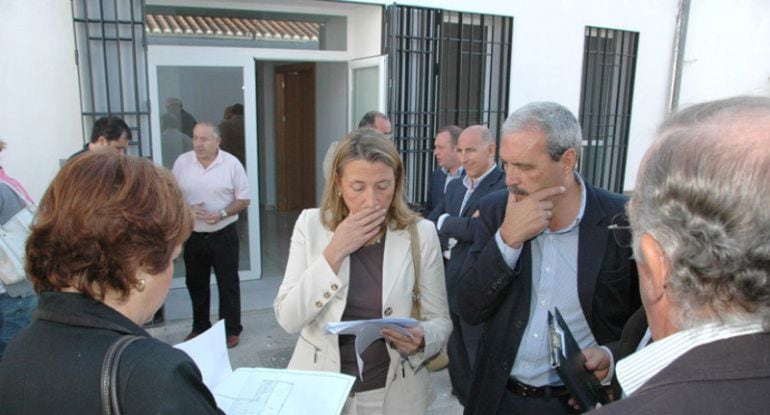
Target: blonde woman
x: 351, y: 259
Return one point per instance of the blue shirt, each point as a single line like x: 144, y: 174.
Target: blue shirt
x: 554, y: 284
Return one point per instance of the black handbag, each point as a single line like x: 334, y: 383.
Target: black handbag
x: 109, y: 378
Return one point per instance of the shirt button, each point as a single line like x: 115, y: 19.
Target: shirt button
x: 537, y: 336
x: 388, y: 311
x: 327, y: 295
x: 334, y: 287
x: 542, y: 303
x: 318, y: 304
x: 547, y: 269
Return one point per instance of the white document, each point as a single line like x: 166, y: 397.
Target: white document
x: 209, y: 351
x: 264, y: 391
x: 283, y: 392
x: 369, y: 331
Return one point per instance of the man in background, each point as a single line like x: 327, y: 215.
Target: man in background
x: 449, y: 166
x: 108, y: 134
x: 215, y: 185
x: 454, y: 218
x: 372, y: 119
x: 231, y: 129
x: 173, y: 142
x: 186, y: 120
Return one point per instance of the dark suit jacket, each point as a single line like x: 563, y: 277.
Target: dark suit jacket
x: 53, y: 366
x: 436, y: 190
x: 629, y: 340
x: 730, y: 376
x: 632, y: 334
x: 490, y: 292
x: 459, y: 225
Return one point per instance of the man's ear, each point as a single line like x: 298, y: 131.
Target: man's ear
x: 568, y: 160
x: 655, y: 261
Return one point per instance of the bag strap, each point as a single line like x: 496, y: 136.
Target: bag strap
x: 109, y: 376
x: 415, y: 243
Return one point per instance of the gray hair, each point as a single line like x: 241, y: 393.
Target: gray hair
x: 554, y: 120
x: 703, y: 192
x: 214, y: 127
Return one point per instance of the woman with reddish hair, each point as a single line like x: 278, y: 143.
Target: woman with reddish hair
x: 101, y: 255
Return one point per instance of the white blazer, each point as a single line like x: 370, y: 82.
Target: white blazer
x: 312, y: 294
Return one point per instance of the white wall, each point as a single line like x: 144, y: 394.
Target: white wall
x: 331, y: 90
x: 728, y: 50
x: 40, y: 117
x: 547, y: 58
x: 365, y: 32
x: 727, y: 53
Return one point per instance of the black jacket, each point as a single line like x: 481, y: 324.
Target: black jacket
x: 53, y: 366
x: 490, y: 292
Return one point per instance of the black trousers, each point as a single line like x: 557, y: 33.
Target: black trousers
x: 217, y: 250
x: 520, y: 405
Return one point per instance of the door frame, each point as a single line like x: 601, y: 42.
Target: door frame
x: 215, y: 57
x: 173, y: 55
x: 381, y: 63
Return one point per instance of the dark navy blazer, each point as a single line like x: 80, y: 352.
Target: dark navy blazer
x: 491, y: 293
x: 459, y: 225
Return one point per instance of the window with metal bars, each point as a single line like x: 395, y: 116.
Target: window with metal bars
x: 609, y: 68
x: 111, y: 59
x: 444, y: 67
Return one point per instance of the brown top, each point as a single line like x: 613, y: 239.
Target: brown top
x: 365, y: 302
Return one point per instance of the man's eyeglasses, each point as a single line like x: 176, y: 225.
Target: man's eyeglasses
x: 621, y: 230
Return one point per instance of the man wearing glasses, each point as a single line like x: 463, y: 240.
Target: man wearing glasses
x: 541, y: 244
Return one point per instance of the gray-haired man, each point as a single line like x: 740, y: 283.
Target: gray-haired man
x: 540, y: 244
x: 700, y: 217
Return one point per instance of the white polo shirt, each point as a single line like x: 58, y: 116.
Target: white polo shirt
x: 217, y: 186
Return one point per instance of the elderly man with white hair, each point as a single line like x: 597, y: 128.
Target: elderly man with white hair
x: 700, y: 217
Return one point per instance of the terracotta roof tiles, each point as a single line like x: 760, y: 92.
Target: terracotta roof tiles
x: 230, y: 27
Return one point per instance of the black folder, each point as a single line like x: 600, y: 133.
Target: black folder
x: 569, y: 362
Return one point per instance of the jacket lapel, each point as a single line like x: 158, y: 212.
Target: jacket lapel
x: 592, y: 242
x: 483, y: 189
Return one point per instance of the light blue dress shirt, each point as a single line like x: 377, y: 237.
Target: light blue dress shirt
x: 554, y: 284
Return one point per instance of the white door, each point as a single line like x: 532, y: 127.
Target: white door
x: 207, y: 81
x: 367, y: 87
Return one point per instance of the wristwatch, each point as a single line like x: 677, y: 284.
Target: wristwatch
x: 223, y: 213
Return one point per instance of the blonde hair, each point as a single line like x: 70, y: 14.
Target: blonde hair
x: 373, y: 146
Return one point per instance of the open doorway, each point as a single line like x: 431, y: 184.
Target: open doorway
x: 312, y: 99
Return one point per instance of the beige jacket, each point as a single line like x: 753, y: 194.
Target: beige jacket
x: 312, y: 294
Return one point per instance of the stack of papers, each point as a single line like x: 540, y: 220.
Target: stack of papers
x: 261, y: 390
x: 369, y: 331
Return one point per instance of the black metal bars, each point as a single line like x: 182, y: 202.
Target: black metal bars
x: 609, y: 68
x: 112, y: 66
x: 445, y: 67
